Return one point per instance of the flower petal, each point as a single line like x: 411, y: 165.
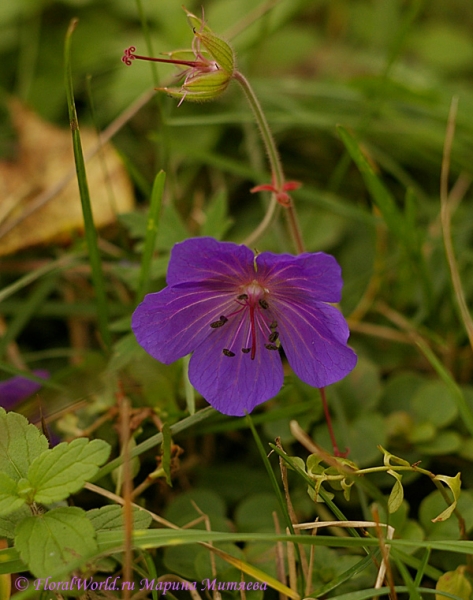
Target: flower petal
x: 307, y: 276
x: 16, y: 389
x: 234, y: 385
x: 171, y: 323
x: 314, y: 337
x: 206, y: 259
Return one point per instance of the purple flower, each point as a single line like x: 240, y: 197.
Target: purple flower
x: 233, y: 309
x: 16, y: 389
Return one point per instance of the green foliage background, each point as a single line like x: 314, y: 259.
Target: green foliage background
x: 358, y: 95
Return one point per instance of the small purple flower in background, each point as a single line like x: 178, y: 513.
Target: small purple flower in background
x: 233, y: 309
x: 16, y: 389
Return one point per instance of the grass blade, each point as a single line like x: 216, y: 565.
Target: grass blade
x: 89, y: 225
x: 151, y: 233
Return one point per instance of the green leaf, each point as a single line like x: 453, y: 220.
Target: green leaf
x: 255, y: 513
x: 216, y: 221
x: 433, y: 402
x: 394, y: 219
x: 445, y: 442
x: 397, y: 493
x: 9, y: 499
x: 110, y: 518
x: 454, y: 483
x: 9, y: 522
x: 125, y: 351
x: 390, y: 459
x: 172, y: 228
x: 90, y: 230
x: 182, y: 509
x: 454, y: 582
x: 58, y: 537
x: 380, y: 195
x: 151, y: 233
x: 63, y: 470
x: 20, y: 443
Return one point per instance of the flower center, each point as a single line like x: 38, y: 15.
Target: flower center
x: 255, y: 316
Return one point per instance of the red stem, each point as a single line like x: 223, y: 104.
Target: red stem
x: 336, y: 451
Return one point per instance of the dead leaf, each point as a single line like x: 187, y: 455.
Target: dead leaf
x: 39, y: 196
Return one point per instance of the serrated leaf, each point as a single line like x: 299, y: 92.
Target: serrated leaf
x: 454, y: 483
x: 9, y: 499
x: 110, y: 518
x: 454, y: 582
x: 9, y: 522
x: 63, y: 470
x: 20, y: 443
x: 55, y: 539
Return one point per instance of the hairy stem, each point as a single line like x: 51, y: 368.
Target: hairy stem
x: 277, y: 173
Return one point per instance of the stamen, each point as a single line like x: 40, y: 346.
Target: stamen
x: 228, y: 352
x: 262, y: 302
x: 219, y: 323
x: 245, y: 350
x: 242, y: 297
x: 273, y: 325
x: 271, y: 346
x: 274, y: 336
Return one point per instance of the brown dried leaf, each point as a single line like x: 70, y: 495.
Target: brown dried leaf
x: 39, y: 197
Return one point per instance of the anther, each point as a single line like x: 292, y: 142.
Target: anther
x: 245, y: 350
x: 274, y: 336
x: 219, y: 323
x: 242, y: 297
x: 263, y: 303
x: 270, y: 346
x: 273, y: 325
x: 228, y: 352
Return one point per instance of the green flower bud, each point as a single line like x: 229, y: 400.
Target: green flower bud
x: 208, y: 67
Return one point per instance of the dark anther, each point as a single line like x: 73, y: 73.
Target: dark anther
x: 263, y: 303
x: 242, y: 297
x: 271, y: 346
x: 219, y: 323
x: 273, y: 325
x: 274, y: 336
x: 228, y: 352
x: 245, y: 350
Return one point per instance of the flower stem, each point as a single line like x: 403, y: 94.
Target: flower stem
x: 277, y: 172
x: 278, y: 181
x: 336, y: 451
